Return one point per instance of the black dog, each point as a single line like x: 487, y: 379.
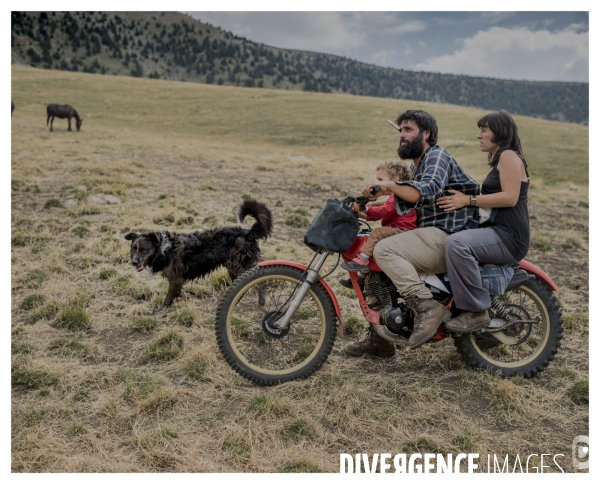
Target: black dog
x: 184, y: 257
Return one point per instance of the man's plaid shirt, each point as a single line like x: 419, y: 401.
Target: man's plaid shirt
x: 437, y: 172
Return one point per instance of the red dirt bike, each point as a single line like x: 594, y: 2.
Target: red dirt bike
x: 290, y: 334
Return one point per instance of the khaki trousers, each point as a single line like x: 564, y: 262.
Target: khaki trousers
x: 402, y: 257
x: 377, y: 234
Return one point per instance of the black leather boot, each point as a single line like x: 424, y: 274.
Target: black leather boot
x: 373, y: 345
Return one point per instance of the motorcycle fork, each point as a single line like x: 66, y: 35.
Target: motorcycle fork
x: 312, y: 276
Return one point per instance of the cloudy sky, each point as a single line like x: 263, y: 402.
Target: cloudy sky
x: 540, y: 46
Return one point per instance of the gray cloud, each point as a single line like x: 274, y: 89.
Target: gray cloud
x: 516, y: 45
x: 519, y: 53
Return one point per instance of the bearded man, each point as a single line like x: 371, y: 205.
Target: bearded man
x: 402, y: 257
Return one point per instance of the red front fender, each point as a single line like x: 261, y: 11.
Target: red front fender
x: 545, y: 278
x: 327, y: 287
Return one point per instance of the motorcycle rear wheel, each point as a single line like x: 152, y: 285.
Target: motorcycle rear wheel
x: 528, y: 349
x: 256, y: 353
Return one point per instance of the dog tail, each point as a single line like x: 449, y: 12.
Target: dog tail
x: 263, y: 226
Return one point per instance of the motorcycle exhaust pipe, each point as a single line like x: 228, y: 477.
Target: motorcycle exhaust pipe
x: 386, y: 334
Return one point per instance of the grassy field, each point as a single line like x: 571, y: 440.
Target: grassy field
x: 98, y: 385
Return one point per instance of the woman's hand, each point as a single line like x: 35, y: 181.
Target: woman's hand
x: 454, y: 202
x: 362, y: 215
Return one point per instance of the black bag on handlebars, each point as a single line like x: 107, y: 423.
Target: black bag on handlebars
x: 334, y: 228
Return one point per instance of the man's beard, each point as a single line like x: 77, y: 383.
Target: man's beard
x: 412, y: 150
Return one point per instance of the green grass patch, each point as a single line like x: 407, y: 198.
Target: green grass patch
x: 300, y: 466
x: 579, y: 392
x: 165, y: 219
x: 53, y: 202
x: 80, y: 231
x: 76, y: 430
x: 18, y: 347
x: 185, y: 317
x: 47, y: 311
x: 139, y: 385
x: 297, y: 221
x: 210, y: 221
x: 83, y: 262
x: 219, y: 280
x: 32, y: 301
x: 166, y: 347
x: 107, y: 273
x: 35, y: 278
x: 72, y: 347
x: 143, y: 323
x: 189, y: 220
x: 81, y: 394
x: 27, y: 377
x: 540, y: 243
x: 298, y: 429
x: 354, y: 325
x: 196, y: 370
x: 33, y: 417
x: 73, y: 316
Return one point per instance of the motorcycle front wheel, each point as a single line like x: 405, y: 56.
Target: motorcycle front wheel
x: 252, y: 347
x: 521, y: 349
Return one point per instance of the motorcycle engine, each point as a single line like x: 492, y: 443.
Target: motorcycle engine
x: 381, y: 294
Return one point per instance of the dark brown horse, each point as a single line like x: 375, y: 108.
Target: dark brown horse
x: 59, y: 111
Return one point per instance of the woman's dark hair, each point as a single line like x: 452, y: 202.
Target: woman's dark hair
x: 423, y: 120
x: 506, y: 135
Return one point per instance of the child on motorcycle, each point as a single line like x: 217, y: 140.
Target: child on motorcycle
x: 391, y: 222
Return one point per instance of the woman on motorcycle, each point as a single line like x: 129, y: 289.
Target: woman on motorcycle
x: 504, y: 237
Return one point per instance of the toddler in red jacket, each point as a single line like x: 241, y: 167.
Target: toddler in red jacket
x: 391, y: 222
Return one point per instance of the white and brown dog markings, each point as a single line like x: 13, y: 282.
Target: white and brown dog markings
x: 184, y: 257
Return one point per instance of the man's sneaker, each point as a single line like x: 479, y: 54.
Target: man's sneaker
x: 373, y: 345
x: 356, y: 265
x: 467, y: 322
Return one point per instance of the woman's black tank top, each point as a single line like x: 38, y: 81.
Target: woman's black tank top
x: 510, y: 223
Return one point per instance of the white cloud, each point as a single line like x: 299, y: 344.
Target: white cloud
x: 519, y: 53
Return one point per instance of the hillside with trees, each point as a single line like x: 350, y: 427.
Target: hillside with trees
x: 173, y: 46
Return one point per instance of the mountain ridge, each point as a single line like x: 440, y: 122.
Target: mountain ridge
x: 174, y: 46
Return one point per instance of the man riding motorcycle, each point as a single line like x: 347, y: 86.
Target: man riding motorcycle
x: 402, y: 257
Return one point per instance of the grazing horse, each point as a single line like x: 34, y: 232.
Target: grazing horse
x: 66, y: 111
x: 12, y: 107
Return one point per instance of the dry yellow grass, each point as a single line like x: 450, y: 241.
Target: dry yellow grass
x: 90, y: 396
